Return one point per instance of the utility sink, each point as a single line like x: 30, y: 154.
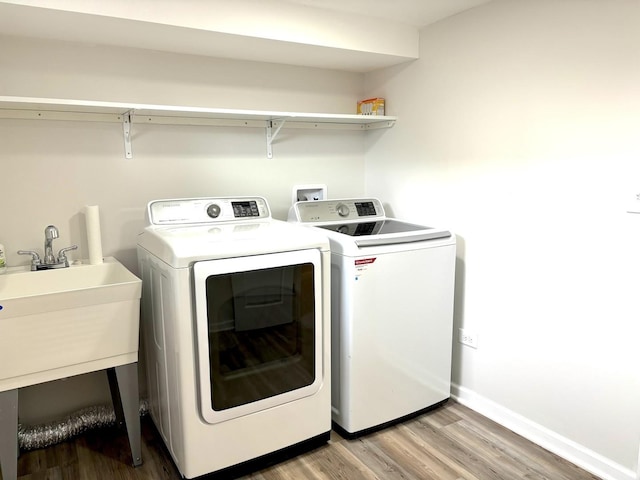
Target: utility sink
x: 63, y: 322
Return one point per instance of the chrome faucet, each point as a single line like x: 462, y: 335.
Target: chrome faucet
x: 50, y: 260
x: 50, y: 233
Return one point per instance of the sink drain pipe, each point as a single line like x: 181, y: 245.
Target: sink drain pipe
x: 47, y: 434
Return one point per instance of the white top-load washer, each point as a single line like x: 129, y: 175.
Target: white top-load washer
x: 235, y: 322
x: 392, y: 287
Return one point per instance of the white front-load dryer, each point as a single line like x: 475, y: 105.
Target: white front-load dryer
x: 236, y: 329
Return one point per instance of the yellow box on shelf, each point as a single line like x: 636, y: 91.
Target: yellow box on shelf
x: 371, y: 106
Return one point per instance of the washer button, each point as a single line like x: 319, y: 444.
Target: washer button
x: 342, y: 210
x: 213, y: 210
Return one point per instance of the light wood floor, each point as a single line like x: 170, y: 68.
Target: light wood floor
x: 451, y: 442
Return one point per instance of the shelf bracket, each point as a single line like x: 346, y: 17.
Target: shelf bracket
x: 271, y: 135
x: 126, y: 130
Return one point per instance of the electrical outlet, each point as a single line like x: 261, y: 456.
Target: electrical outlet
x: 634, y: 205
x: 468, y: 338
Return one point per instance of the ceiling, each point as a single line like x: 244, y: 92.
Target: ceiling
x: 412, y: 12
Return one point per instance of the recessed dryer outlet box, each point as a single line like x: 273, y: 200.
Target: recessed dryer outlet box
x: 303, y: 193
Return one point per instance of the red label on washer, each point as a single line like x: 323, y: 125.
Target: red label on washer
x: 365, y: 261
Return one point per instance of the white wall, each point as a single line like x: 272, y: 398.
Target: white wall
x: 519, y: 128
x: 50, y: 170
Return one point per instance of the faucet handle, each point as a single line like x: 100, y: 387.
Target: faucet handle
x: 62, y: 257
x: 35, y: 258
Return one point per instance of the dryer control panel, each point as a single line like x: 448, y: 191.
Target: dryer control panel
x: 183, y: 211
x: 357, y: 209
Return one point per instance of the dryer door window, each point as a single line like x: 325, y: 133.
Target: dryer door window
x: 258, y: 331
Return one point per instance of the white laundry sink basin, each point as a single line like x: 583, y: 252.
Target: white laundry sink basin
x: 62, y: 322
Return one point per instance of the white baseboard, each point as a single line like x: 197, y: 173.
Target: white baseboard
x: 548, y: 439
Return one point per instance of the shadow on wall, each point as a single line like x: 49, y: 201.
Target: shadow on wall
x: 458, y: 310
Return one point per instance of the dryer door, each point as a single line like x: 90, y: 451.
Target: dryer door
x: 258, y: 327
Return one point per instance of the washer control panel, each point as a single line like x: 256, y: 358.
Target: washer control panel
x: 207, y: 210
x: 338, y: 210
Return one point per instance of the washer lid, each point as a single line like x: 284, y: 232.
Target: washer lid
x: 362, y: 222
x: 386, y: 232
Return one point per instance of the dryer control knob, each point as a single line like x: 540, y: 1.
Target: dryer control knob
x: 342, y: 210
x: 213, y: 210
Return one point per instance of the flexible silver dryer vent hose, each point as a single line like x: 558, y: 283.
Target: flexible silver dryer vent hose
x: 47, y: 434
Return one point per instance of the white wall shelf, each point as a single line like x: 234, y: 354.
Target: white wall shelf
x: 129, y: 114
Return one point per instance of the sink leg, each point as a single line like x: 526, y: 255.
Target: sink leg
x: 9, y: 434
x: 123, y: 382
